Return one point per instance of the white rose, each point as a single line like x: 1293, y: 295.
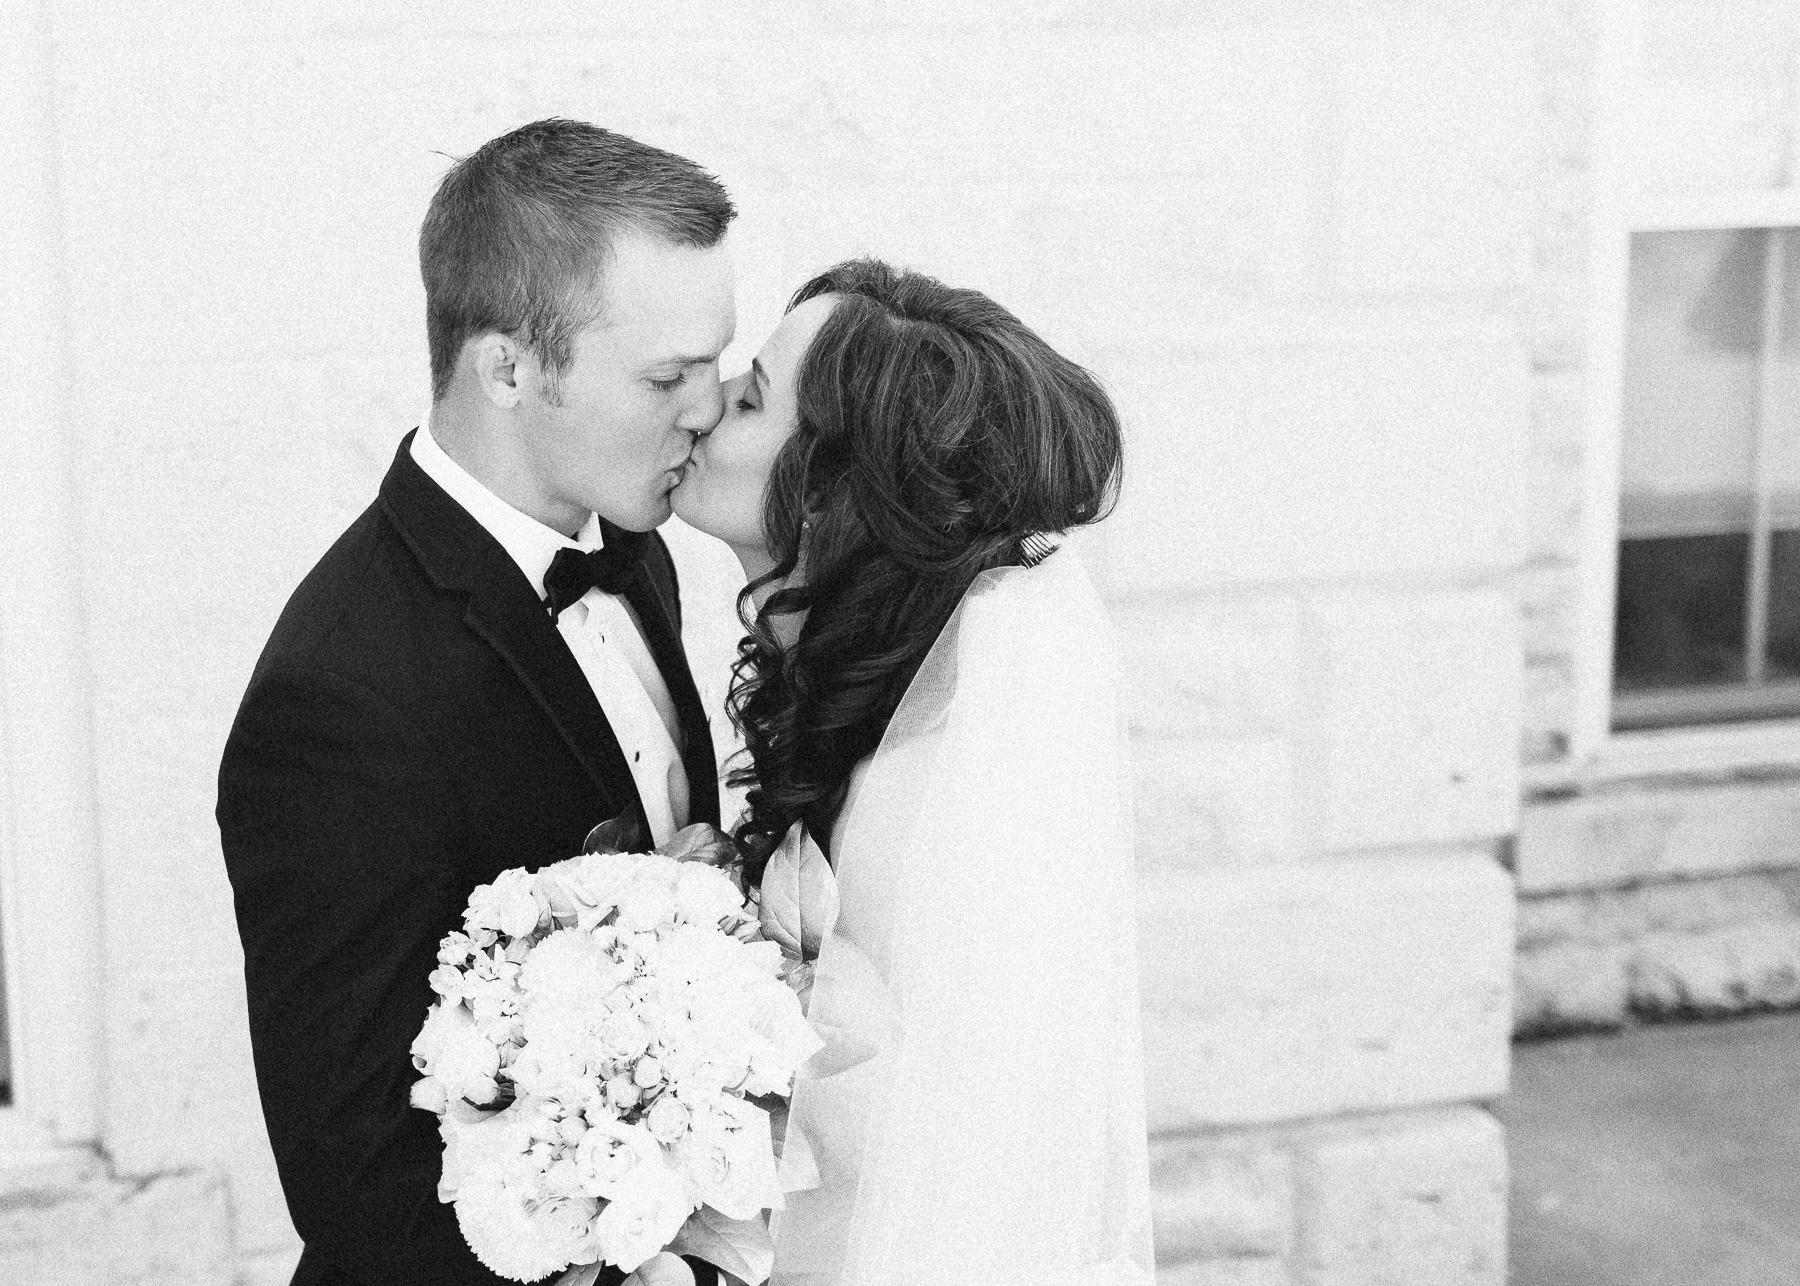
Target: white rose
x: 516, y: 913
x: 705, y: 895
x: 564, y: 1222
x: 622, y: 1092
x: 643, y: 1216
x: 667, y: 1118
x: 622, y: 1036
x: 481, y: 1143
x: 430, y: 1094
x: 555, y: 889
x: 610, y: 1151
x: 729, y: 1159
x: 446, y: 980
x: 450, y: 1049
x: 481, y: 919
x: 599, y: 880
x: 646, y: 903
x: 455, y: 950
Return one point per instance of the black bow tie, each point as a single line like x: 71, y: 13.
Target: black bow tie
x: 609, y: 569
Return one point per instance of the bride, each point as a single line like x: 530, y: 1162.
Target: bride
x: 936, y: 779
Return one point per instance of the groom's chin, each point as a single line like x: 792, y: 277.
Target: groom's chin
x: 647, y: 515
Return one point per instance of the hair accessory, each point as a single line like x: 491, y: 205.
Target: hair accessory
x: 1035, y: 547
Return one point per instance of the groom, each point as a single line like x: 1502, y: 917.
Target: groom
x: 487, y: 663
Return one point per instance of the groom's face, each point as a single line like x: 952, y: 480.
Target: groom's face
x: 642, y: 381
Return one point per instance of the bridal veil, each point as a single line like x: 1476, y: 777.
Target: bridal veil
x: 977, y: 1114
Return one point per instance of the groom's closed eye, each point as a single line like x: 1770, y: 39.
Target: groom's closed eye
x: 682, y: 365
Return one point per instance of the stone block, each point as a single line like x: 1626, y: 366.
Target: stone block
x: 1700, y: 906
x: 1221, y: 1198
x: 1680, y: 948
x: 1293, y: 990
x: 1547, y: 596
x: 1420, y: 716
x: 1558, y: 416
x: 1715, y: 107
x: 1432, y: 190
x: 1587, y: 919
x: 1416, y: 1200
x: 1195, y: 667
x: 1703, y: 975
x: 1214, y: 802
x: 1547, y: 709
x: 1254, y: 461
x: 1569, y: 987
x: 1554, y: 496
x: 170, y: 1230
x: 1640, y: 832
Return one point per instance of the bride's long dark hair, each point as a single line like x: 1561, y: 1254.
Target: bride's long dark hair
x: 936, y: 432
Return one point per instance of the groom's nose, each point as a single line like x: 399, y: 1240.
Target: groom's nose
x: 705, y: 406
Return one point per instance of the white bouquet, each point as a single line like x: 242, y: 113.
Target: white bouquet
x: 604, y: 1028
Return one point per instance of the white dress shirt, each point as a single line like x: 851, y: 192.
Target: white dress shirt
x: 602, y: 632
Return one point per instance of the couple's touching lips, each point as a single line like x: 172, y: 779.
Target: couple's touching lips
x: 722, y: 489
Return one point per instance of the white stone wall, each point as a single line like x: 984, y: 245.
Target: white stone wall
x: 1295, y: 239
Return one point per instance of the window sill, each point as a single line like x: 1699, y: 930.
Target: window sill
x: 1719, y: 750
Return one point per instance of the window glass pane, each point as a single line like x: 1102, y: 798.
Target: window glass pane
x: 1681, y: 611
x: 1692, y: 338
x: 6, y: 1096
x: 1710, y: 494
x: 1784, y: 606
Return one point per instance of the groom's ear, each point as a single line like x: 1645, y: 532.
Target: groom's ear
x: 498, y: 367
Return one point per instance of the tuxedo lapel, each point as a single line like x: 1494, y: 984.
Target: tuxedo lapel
x: 656, y: 612
x: 458, y: 554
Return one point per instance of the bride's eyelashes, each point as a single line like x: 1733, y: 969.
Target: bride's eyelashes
x: 668, y: 385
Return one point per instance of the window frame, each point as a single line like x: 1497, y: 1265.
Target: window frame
x: 1619, y: 210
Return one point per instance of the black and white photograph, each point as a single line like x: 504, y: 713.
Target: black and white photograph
x: 856, y: 643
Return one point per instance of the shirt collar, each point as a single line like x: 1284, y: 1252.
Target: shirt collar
x: 528, y: 542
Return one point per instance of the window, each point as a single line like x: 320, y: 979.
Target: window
x: 1707, y: 611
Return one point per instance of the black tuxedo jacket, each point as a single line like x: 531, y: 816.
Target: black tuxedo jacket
x: 415, y: 726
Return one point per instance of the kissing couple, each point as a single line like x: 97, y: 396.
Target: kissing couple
x: 488, y: 662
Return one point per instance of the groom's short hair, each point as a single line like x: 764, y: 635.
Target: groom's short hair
x: 518, y: 233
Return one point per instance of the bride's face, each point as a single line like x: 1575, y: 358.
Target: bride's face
x: 721, y: 492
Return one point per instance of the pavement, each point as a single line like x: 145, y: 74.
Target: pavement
x: 1665, y: 1155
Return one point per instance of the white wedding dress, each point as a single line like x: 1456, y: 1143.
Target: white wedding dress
x: 977, y: 1113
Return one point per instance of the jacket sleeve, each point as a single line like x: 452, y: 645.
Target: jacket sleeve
x: 339, y: 832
